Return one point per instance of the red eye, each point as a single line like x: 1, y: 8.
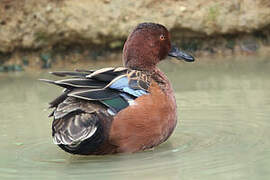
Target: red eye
x: 162, y: 37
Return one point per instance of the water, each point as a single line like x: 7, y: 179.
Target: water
x: 223, y: 130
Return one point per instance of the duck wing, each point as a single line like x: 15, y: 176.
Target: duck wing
x: 84, y: 111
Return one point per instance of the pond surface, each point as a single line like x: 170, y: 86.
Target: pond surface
x: 223, y: 130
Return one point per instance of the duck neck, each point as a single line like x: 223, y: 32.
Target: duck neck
x: 140, y: 65
x: 162, y: 80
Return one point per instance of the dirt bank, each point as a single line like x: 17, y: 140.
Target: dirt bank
x: 43, y: 31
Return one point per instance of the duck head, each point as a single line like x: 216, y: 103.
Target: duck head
x: 148, y: 44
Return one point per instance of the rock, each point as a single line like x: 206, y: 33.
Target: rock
x: 35, y: 24
x: 249, y: 45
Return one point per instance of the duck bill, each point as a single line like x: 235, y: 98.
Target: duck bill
x: 175, y: 52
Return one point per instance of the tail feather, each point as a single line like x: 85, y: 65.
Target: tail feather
x: 77, y: 127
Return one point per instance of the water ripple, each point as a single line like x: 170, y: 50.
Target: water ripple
x: 223, y: 133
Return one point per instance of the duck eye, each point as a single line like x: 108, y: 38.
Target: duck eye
x: 162, y: 37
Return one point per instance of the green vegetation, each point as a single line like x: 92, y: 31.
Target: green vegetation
x: 9, y: 68
x: 41, y: 37
x: 230, y: 44
x: 46, y: 59
x: 25, y: 61
x: 193, y: 45
x: 213, y: 13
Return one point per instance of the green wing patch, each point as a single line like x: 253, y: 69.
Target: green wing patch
x: 117, y: 103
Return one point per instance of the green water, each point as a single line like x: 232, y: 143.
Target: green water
x: 223, y: 130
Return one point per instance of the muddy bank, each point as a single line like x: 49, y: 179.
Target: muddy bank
x: 41, y: 33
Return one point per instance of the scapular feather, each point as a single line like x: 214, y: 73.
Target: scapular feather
x: 106, y: 77
x: 82, y: 83
x: 95, y: 94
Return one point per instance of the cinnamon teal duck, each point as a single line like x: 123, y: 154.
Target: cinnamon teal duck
x: 119, y: 110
